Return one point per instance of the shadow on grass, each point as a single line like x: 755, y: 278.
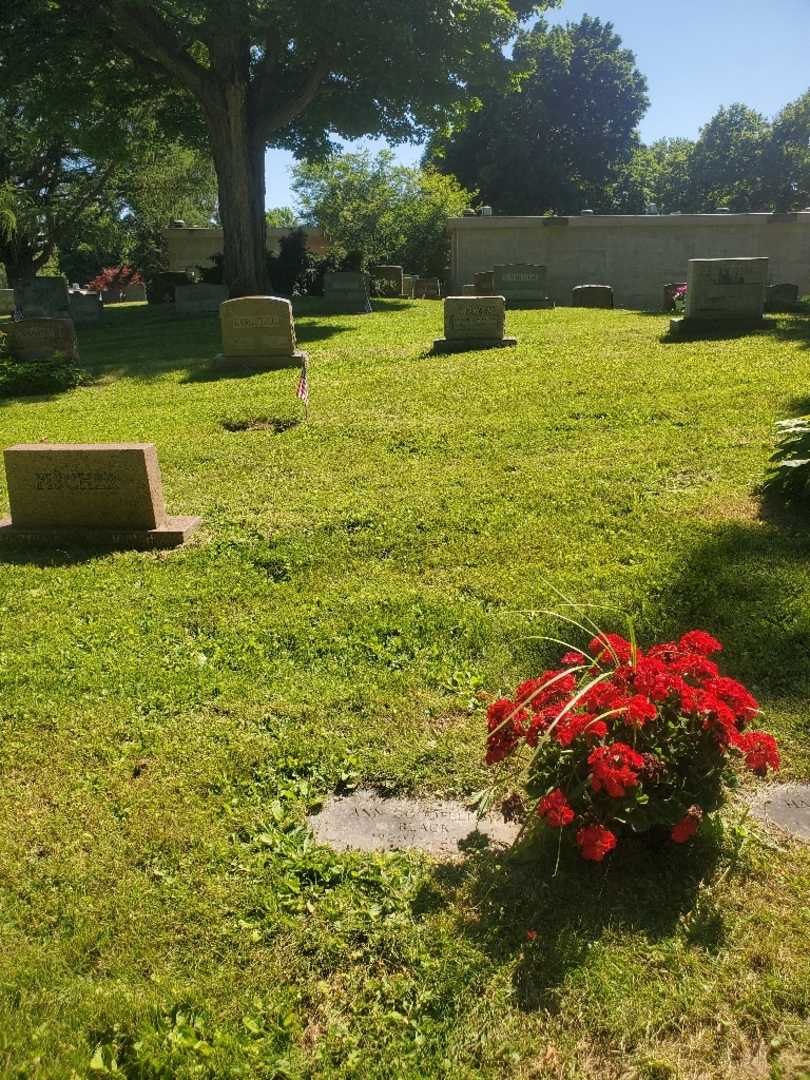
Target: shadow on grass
x: 641, y: 888
x: 147, y: 342
x: 52, y: 558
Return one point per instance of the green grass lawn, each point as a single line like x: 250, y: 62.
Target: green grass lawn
x: 167, y: 719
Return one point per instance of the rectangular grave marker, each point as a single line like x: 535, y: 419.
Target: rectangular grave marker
x: 473, y: 323
x: 105, y: 494
x: 723, y: 292
x: 521, y: 284
x: 346, y: 292
x: 201, y: 299
x: 257, y: 332
x: 387, y: 280
x: 427, y: 289
x: 43, y: 298
x: 33, y: 338
x: 85, y: 307
x: 592, y: 296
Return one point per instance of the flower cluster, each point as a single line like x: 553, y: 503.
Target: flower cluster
x: 622, y: 738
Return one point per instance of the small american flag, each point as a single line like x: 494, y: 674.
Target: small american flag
x: 302, y: 391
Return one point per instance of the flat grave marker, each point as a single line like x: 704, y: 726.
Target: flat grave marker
x: 473, y: 322
x: 34, y: 338
x: 366, y: 821
x: 97, y: 494
x: 785, y: 805
x: 258, y: 332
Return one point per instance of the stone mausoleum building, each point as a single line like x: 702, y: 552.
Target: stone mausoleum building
x: 636, y: 255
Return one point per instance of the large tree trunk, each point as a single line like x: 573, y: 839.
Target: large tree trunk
x: 239, y: 161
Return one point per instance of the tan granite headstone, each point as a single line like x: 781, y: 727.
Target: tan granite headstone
x: 109, y: 493
x: 473, y: 322
x: 258, y: 332
x: 32, y: 338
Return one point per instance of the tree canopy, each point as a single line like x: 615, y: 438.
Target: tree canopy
x: 382, y: 211
x: 289, y: 73
x: 556, y: 131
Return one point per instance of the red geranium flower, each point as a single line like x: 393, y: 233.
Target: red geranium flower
x: 734, y: 694
x: 640, y: 710
x: 760, y: 751
x: 595, y: 841
x: 570, y: 727
x: 698, y: 641
x: 555, y: 810
x: 687, y: 826
x: 505, y: 721
x: 610, y: 648
x: 613, y: 769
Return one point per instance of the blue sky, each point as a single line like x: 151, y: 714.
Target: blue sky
x: 697, y: 55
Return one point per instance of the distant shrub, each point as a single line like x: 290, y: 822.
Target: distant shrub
x: 293, y: 271
x: 115, y: 279
x: 45, y: 375
x: 789, y: 476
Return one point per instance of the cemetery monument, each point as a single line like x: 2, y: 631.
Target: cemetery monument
x: 723, y: 293
x: 388, y: 280
x: 199, y: 299
x: 34, y: 338
x: 44, y: 298
x: 106, y: 494
x: 473, y: 323
x: 592, y: 296
x: 258, y: 333
x: 522, y: 285
x: 346, y: 292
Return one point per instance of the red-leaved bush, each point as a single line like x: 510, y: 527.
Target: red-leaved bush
x: 622, y: 740
x: 115, y: 279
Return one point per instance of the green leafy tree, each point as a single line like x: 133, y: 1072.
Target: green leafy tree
x: 788, y: 156
x: 383, y: 211
x: 281, y: 217
x: 287, y: 73
x: 728, y: 164
x: 559, y: 128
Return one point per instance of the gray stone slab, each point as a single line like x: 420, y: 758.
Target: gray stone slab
x: 200, y: 299
x: 32, y: 338
x: 366, y: 821
x: 785, y: 805
x: 726, y: 288
x: 43, y: 298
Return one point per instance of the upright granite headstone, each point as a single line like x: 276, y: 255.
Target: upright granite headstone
x: 135, y: 293
x: 484, y: 283
x: 781, y: 297
x: 669, y: 294
x: 200, y: 299
x: 592, y: 296
x: 258, y: 332
x: 387, y: 280
x: 85, y: 307
x: 346, y: 292
x: 44, y: 298
x: 473, y: 323
x: 6, y: 301
x: 522, y: 285
x: 723, y: 292
x: 427, y: 289
x: 72, y: 494
x: 34, y: 338
x: 111, y: 296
